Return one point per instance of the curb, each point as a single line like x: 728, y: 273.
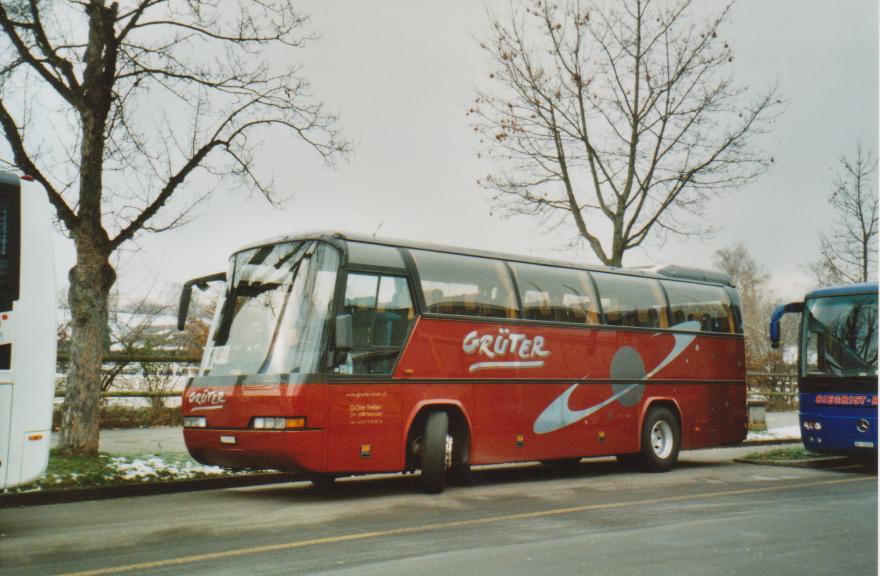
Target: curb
x: 821, y: 462
x: 769, y: 441
x: 143, y: 489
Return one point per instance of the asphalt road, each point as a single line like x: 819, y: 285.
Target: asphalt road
x: 708, y: 516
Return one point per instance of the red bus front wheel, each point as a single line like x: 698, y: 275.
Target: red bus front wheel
x: 436, y: 452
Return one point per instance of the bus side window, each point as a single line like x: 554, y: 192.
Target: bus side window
x: 555, y: 294
x: 360, y: 302
x: 394, y: 311
x: 708, y: 305
x: 631, y: 301
x: 465, y: 285
x: 381, y: 311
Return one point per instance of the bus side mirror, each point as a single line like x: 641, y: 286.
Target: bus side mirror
x: 777, y: 316
x: 186, y: 294
x: 344, y: 333
x: 183, y: 306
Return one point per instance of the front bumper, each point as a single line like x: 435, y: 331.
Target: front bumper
x: 287, y: 451
x: 839, y: 434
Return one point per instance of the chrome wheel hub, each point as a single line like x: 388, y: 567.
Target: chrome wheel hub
x: 662, y: 439
x: 447, y: 456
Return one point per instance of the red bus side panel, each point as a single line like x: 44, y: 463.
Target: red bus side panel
x: 527, y: 392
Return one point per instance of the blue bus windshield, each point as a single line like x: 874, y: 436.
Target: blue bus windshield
x: 840, y: 336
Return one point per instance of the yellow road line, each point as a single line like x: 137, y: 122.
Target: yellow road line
x: 447, y: 525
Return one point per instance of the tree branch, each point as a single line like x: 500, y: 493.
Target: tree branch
x: 26, y: 165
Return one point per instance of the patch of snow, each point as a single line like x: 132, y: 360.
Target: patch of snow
x: 785, y: 432
x: 153, y: 466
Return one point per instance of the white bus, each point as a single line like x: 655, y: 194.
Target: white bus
x: 28, y: 331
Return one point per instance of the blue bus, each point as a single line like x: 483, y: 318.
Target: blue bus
x: 837, y: 367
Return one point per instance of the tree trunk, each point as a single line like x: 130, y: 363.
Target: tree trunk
x: 92, y: 276
x: 618, y: 242
x: 90, y: 282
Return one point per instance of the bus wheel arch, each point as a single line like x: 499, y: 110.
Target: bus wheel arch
x: 671, y: 405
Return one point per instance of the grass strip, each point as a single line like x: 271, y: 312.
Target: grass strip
x: 788, y: 454
x: 67, y: 472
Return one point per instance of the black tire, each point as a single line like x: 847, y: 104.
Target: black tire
x: 563, y: 465
x: 629, y: 461
x: 661, y: 440
x: 435, y: 460
x: 460, y: 473
x: 867, y: 461
x: 322, y: 481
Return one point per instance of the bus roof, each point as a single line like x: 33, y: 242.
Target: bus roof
x: 844, y: 289
x: 666, y: 272
x: 9, y: 178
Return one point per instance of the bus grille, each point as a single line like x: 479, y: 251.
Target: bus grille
x: 718, y: 402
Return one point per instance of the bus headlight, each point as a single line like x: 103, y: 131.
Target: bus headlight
x: 195, y: 422
x: 264, y: 423
x: 276, y: 423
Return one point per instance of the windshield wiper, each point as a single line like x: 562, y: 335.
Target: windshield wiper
x: 294, y: 273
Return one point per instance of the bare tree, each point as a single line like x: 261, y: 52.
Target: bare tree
x: 849, y: 252
x: 757, y: 302
x: 141, y: 337
x: 617, y: 117
x: 115, y: 107
x: 147, y: 328
x: 132, y: 329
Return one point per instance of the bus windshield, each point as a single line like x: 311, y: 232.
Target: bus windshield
x: 275, y: 311
x: 840, y: 336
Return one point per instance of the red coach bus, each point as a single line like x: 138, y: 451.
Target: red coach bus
x: 341, y: 355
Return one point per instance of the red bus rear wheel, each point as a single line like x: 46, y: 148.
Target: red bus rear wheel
x: 661, y: 440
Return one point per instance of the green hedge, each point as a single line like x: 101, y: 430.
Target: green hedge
x: 114, y: 416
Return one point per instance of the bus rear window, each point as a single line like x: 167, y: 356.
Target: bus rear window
x: 708, y: 305
x: 465, y: 285
x: 631, y: 301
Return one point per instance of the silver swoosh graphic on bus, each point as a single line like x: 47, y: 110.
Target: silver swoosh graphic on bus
x: 558, y: 415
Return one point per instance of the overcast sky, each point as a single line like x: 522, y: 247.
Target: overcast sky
x: 401, y: 73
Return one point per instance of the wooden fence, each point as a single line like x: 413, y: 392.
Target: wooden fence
x: 780, y: 389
